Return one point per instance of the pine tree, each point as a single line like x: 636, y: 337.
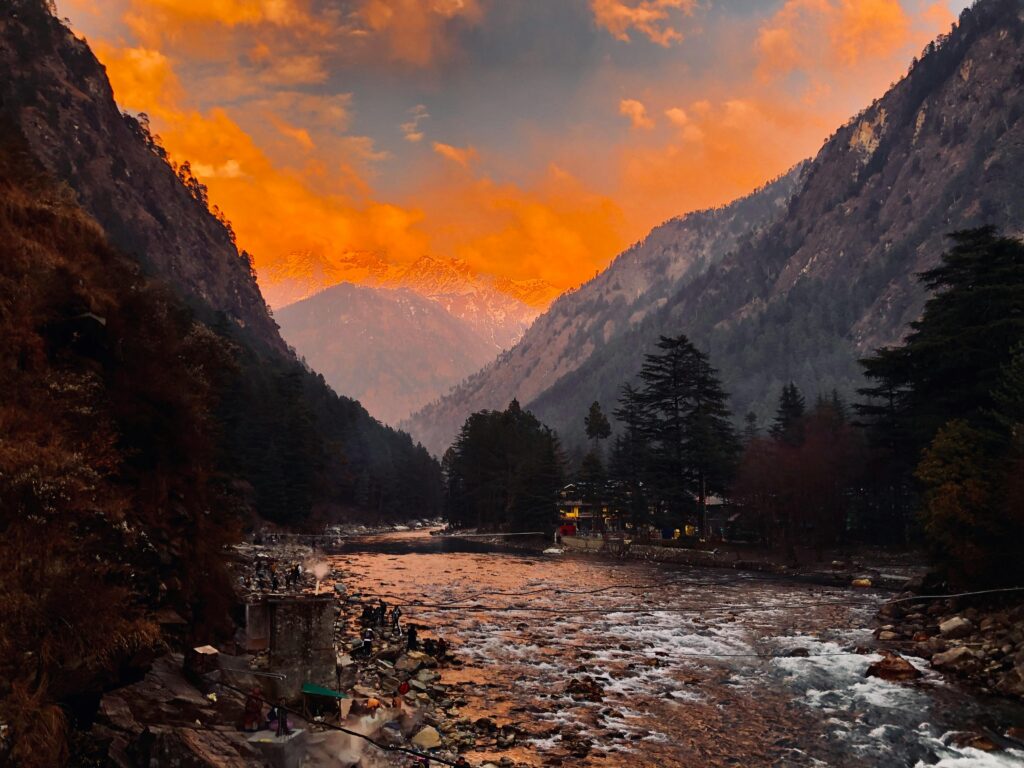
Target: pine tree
x: 686, y: 421
x: 788, y: 424
x: 597, y: 424
x: 630, y: 459
x: 750, y: 429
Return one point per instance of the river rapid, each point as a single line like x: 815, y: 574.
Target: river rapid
x: 693, y: 665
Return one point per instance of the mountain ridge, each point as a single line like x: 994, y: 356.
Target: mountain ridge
x: 833, y: 276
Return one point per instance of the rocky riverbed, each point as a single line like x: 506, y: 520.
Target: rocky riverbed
x: 981, y: 645
x: 621, y: 664
x: 563, y: 661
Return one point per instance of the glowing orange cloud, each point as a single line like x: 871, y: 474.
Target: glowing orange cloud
x: 295, y: 179
x: 636, y: 112
x: 274, y: 210
x: 750, y: 127
x: 414, y: 31
x: 651, y: 18
x: 810, y: 35
x: 551, y: 228
x: 459, y: 155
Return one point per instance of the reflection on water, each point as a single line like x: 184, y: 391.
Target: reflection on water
x: 692, y: 667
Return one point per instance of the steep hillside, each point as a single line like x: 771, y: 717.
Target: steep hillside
x: 834, y: 276
x: 292, y: 447
x: 606, y: 309
x: 60, y: 97
x: 392, y: 349
x: 111, y: 504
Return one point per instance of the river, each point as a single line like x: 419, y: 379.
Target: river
x: 694, y: 665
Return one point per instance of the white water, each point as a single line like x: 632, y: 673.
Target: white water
x: 700, y: 678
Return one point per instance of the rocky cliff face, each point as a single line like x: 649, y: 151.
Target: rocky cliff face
x: 804, y: 295
x: 58, y: 94
x: 391, y: 348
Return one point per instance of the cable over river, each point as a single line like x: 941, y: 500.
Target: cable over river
x: 632, y: 664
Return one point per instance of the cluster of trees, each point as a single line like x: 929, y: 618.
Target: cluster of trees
x: 933, y: 453
x: 945, y: 411
x: 503, y: 472
x: 796, y: 485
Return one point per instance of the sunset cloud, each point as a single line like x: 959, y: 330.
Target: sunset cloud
x: 463, y: 156
x: 288, y: 110
x: 411, y: 128
x: 815, y: 35
x: 636, y: 112
x: 415, y: 32
x: 655, y: 19
x: 549, y: 227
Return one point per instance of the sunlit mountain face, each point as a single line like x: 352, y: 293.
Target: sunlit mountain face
x: 526, y: 142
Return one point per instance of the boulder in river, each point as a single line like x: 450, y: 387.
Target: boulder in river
x: 953, y: 659
x: 956, y: 627
x: 893, y: 667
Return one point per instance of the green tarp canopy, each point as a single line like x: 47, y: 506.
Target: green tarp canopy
x: 309, y: 689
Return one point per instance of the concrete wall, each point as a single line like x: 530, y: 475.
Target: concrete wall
x: 301, y: 642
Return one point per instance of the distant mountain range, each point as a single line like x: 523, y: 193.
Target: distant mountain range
x: 800, y: 279
x: 398, y: 337
x: 392, y: 349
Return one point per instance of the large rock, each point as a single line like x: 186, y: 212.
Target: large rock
x: 956, y: 627
x: 408, y: 663
x: 893, y: 667
x: 427, y: 738
x: 953, y: 659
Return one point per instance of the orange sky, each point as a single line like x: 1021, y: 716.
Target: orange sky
x: 532, y: 139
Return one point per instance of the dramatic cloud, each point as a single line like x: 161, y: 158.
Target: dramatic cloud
x: 549, y: 227
x: 415, y: 31
x: 317, y: 124
x: 654, y: 19
x: 636, y: 112
x: 821, y: 36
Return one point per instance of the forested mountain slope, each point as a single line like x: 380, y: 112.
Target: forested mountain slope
x: 606, y: 309
x: 293, y: 448
x: 834, y: 276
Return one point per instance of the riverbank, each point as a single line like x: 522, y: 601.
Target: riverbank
x: 301, y: 648
x: 976, y: 640
x: 877, y: 569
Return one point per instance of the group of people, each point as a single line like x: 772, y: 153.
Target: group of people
x: 276, y: 719
x: 379, y: 617
x: 269, y: 576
